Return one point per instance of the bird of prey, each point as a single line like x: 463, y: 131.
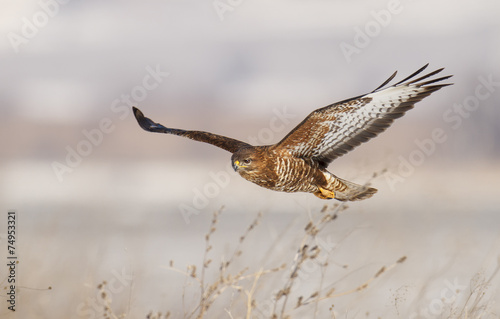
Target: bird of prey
x: 298, y: 163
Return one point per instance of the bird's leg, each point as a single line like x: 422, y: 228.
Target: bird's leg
x: 324, y: 194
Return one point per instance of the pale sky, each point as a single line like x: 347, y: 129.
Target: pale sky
x: 68, y: 62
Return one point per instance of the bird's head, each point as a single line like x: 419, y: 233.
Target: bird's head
x: 245, y: 160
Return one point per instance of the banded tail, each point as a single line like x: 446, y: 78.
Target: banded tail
x: 343, y: 190
x: 353, y: 191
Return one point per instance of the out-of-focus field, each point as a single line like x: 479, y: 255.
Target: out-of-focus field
x: 124, y: 224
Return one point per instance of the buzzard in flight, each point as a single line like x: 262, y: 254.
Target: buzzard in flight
x: 298, y: 162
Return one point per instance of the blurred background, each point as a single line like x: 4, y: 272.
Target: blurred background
x: 96, y: 195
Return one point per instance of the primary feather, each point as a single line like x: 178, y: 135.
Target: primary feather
x: 334, y: 130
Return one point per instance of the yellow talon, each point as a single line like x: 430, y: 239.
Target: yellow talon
x: 324, y: 194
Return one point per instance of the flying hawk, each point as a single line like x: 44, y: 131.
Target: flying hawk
x: 298, y: 162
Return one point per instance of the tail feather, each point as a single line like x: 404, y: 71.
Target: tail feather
x: 353, y: 191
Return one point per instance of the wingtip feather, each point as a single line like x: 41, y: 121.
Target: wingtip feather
x: 386, y: 81
x: 144, y: 122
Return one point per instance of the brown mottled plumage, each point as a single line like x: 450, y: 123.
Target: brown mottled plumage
x: 298, y: 162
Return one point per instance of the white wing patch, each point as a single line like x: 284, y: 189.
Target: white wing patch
x: 332, y: 131
x: 349, y: 125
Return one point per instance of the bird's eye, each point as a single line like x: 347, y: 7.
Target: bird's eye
x: 247, y: 161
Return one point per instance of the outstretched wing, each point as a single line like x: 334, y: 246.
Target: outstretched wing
x: 334, y: 130
x: 223, y: 142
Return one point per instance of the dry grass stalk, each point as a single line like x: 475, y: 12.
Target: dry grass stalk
x: 365, y: 285
x: 204, y: 305
x: 158, y: 315
x: 225, y: 279
x: 312, y: 229
x: 308, y: 250
x: 106, y: 298
x: 250, y: 300
x: 304, y: 253
x: 475, y: 306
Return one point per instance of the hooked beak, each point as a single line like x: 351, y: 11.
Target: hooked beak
x: 236, y: 164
